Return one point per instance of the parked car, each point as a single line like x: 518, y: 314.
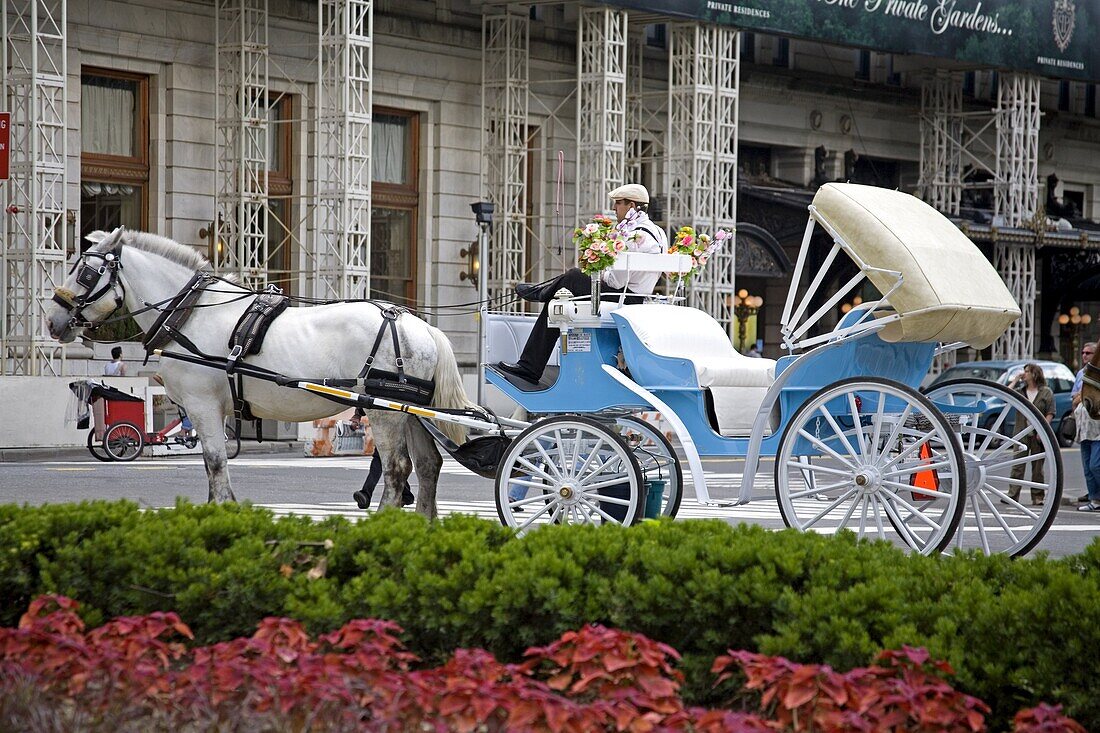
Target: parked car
x: 1059, y: 378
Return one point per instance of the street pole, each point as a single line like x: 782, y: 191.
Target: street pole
x: 483, y: 306
x: 483, y: 212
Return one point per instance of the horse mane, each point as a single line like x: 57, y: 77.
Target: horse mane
x: 167, y: 248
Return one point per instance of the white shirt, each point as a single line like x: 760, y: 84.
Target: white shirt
x: 114, y: 369
x: 651, y: 239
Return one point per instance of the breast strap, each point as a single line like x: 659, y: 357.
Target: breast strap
x: 168, y: 324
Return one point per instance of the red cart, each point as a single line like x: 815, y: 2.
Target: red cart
x: 119, y: 430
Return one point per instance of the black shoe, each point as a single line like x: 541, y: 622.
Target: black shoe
x: 407, y: 497
x: 517, y: 371
x: 537, y: 292
x: 362, y: 499
x: 1083, y: 499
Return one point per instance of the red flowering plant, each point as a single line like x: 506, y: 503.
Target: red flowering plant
x: 598, y: 243
x: 699, y: 246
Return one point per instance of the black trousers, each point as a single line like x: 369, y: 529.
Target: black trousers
x: 374, y: 474
x: 540, y: 344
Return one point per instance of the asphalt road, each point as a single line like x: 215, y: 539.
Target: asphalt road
x: 288, y: 482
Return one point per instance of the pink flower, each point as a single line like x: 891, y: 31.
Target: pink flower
x: 721, y: 234
x: 686, y: 241
x: 619, y: 246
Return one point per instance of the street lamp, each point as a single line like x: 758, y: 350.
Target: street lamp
x: 847, y: 307
x: 477, y: 254
x: 745, y: 306
x: 1072, y: 324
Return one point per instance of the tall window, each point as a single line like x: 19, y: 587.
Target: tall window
x: 280, y: 189
x: 395, y: 192
x: 114, y: 159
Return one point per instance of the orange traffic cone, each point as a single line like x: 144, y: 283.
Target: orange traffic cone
x: 925, y: 479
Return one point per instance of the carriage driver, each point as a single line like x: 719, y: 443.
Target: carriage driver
x: 631, y: 209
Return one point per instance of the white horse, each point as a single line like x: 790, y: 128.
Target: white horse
x: 323, y: 341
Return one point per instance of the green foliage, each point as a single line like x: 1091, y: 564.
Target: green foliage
x: 1016, y: 631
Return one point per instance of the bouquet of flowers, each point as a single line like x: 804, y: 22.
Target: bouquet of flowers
x: 599, y: 243
x: 699, y: 246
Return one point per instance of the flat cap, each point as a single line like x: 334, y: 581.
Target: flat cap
x: 631, y: 192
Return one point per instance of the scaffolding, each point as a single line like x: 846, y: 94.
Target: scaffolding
x: 343, y: 149
x: 601, y: 105
x: 941, y: 146
x: 36, y: 227
x: 701, y: 185
x: 1003, y: 146
x: 241, y: 121
x: 505, y: 87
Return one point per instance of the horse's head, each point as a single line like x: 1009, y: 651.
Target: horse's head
x: 91, y: 291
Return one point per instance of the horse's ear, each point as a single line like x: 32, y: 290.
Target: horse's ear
x: 114, y: 240
x: 97, y: 236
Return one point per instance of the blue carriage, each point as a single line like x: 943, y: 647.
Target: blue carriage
x: 855, y: 444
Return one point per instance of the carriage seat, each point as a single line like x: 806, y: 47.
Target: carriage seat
x: 736, y: 383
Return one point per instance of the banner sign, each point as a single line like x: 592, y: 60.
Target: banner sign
x: 1055, y: 38
x: 5, y: 144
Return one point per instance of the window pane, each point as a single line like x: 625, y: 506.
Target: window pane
x: 276, y: 154
x: 106, y: 206
x: 107, y: 111
x: 391, y: 254
x: 390, y: 149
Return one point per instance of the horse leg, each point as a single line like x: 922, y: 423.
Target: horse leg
x: 209, y: 422
x: 389, y: 438
x: 428, y: 461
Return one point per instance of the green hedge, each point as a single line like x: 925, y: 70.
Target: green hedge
x: 1016, y: 632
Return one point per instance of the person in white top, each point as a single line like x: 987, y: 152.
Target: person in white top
x: 115, y: 367
x: 631, y: 209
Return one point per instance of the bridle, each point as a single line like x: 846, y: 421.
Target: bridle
x: 87, y: 275
x: 1091, y: 375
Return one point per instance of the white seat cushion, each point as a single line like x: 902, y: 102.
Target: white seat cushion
x: 689, y: 333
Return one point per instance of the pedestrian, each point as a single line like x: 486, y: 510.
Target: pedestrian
x: 1032, y: 385
x: 1088, y: 435
x: 632, y: 211
x: 364, y: 495
x: 115, y: 367
x: 754, y: 352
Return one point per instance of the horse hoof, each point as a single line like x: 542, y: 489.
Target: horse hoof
x: 361, y: 499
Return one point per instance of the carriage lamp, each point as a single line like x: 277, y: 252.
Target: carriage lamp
x: 473, y: 263
x: 483, y: 211
x: 1072, y: 324
x: 745, y: 306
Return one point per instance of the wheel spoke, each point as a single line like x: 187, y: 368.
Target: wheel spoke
x: 918, y: 467
x: 1031, y: 458
x: 822, y: 446
x: 879, y: 413
x: 837, y: 431
x: 531, y: 467
x: 818, y: 489
x: 1017, y: 481
x: 909, y: 450
x: 916, y: 489
x: 818, y: 468
x: 602, y: 470
x: 861, y: 439
x: 1000, y: 519
x: 903, y: 529
x: 832, y: 505
x: 913, y: 511
x: 609, y: 499
x: 548, y: 461
x: 596, y: 508
x: 545, y: 508
x: 588, y: 458
x: 995, y: 427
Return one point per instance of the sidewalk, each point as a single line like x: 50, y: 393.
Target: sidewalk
x: 35, y: 455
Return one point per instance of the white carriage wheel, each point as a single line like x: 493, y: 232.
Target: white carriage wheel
x: 570, y: 470
x: 657, y: 459
x: 876, y: 457
x: 994, y: 522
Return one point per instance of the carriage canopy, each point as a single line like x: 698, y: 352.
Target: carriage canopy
x: 950, y: 292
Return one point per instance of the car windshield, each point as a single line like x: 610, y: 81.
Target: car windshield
x: 973, y: 371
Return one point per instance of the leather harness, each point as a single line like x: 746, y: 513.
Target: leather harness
x: 251, y: 329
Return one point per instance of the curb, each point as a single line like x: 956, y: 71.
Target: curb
x: 69, y: 453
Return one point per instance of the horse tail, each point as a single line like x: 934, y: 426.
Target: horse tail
x: 449, y: 391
